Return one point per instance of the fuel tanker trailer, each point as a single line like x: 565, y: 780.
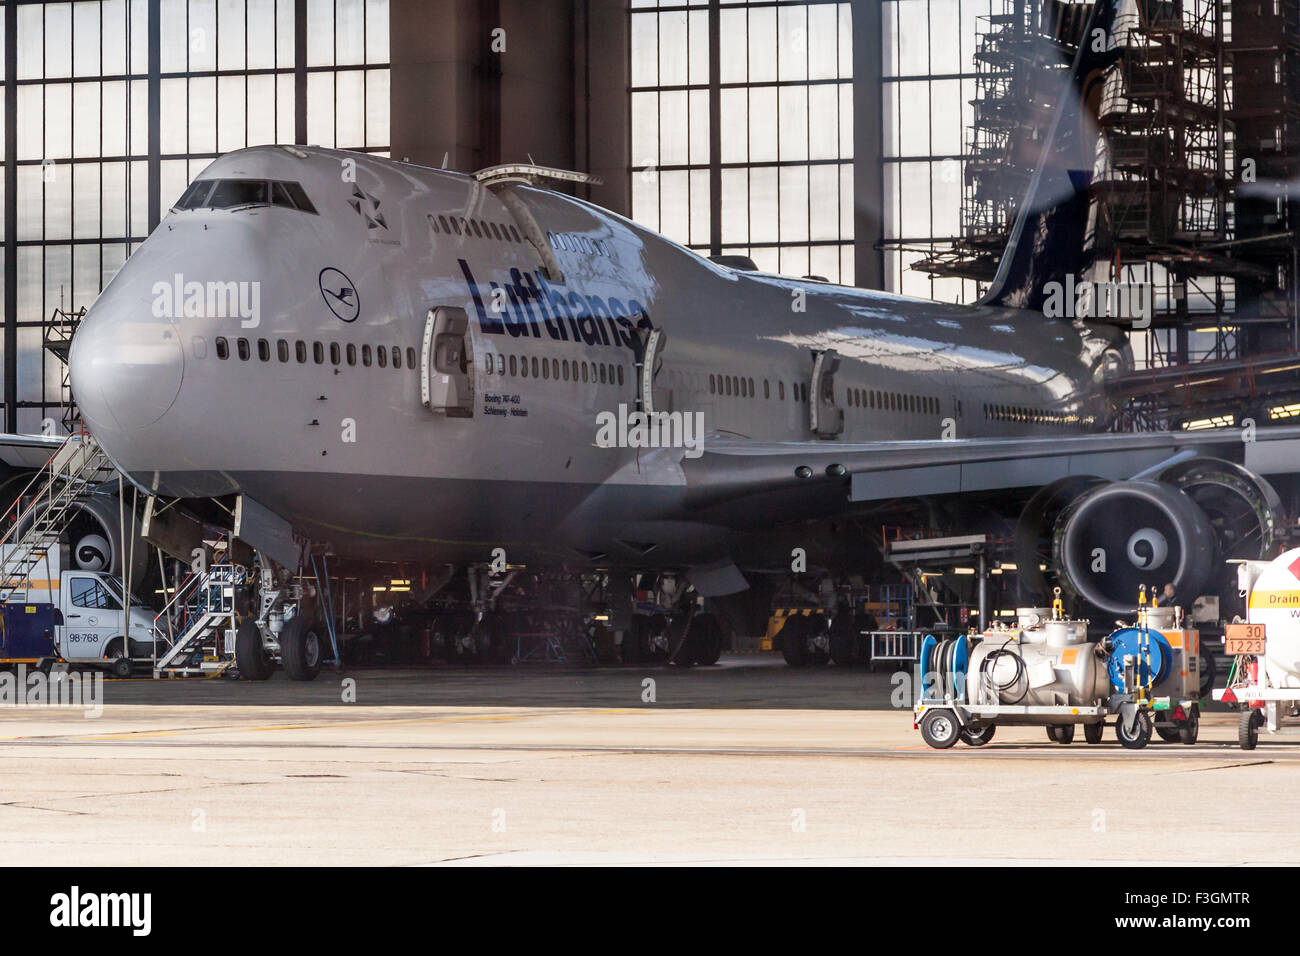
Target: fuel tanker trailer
x: 1265, y: 675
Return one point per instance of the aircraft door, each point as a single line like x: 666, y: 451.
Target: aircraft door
x: 826, y: 418
x: 447, y: 370
x: 652, y: 343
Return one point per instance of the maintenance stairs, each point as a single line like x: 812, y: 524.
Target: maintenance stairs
x: 202, y: 614
x: 75, y: 469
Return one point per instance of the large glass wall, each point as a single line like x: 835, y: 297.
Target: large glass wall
x: 774, y: 181
x: 929, y: 83
x: 227, y: 76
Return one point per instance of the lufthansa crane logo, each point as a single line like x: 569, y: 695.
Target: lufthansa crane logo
x: 340, y: 294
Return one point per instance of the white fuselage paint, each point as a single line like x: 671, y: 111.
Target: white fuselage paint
x: 525, y: 470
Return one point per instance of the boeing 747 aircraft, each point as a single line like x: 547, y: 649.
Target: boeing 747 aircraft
x: 398, y: 363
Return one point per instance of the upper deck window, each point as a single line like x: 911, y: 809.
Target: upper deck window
x: 237, y: 193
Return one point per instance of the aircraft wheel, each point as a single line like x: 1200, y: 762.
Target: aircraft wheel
x: 300, y: 650
x: 1248, y: 723
x: 794, y: 641
x: 1092, y: 733
x: 939, y: 729
x: 250, y: 656
x: 1140, y: 736
x: 705, y: 639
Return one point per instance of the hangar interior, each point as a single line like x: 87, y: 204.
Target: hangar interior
x: 885, y: 144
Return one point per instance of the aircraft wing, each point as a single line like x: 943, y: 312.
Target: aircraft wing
x: 28, y: 452
x: 738, y: 474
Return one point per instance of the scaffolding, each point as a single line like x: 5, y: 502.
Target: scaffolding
x: 1197, y: 159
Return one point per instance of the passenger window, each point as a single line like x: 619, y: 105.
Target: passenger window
x: 335, y: 355
x: 584, y: 371
x: 514, y: 234
x: 352, y: 354
x: 767, y: 389
x: 712, y: 385
x: 264, y: 350
x: 223, y: 348
x: 381, y: 356
x: 620, y: 375
x: 410, y: 357
x: 397, y: 357
x: 282, y: 350
x: 534, y: 368
x: 473, y: 224
x: 602, y: 374
x: 780, y: 391
x: 318, y: 353
x: 365, y: 355
x: 242, y: 346
x: 445, y: 226
x: 523, y: 366
x: 501, y: 365
x: 512, y: 365
x: 300, y: 351
x: 546, y: 370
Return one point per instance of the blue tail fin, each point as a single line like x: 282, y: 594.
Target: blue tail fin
x: 1047, y: 237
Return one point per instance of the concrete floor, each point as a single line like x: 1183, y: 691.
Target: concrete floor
x: 744, y: 762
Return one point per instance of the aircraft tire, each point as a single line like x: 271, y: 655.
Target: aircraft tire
x: 706, y: 639
x: 794, y: 641
x: 250, y: 657
x: 300, y: 651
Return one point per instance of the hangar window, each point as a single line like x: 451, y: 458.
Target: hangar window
x: 365, y: 356
x: 300, y: 351
x: 264, y: 350
x: 381, y: 356
x: 242, y: 346
x: 336, y: 355
x: 397, y: 357
x: 352, y: 354
x: 223, y: 348
x: 318, y: 353
x: 282, y: 350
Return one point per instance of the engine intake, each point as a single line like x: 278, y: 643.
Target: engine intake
x: 1124, y: 534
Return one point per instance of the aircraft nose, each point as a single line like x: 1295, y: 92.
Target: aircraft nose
x: 125, y: 366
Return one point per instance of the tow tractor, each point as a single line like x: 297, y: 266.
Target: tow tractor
x: 1045, y: 672
x: 1264, y: 679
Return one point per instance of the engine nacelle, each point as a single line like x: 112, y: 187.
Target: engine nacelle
x: 1124, y: 534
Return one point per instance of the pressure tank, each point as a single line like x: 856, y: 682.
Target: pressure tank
x: 1049, y: 662
x: 1275, y: 603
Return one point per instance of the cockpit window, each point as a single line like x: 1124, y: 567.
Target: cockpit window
x: 237, y: 192
x: 195, y: 195
x: 233, y: 193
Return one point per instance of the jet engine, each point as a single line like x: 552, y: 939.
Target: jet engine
x: 92, y: 532
x: 1176, y: 527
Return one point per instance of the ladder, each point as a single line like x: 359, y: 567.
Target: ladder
x: 77, y: 466
x: 205, y: 604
